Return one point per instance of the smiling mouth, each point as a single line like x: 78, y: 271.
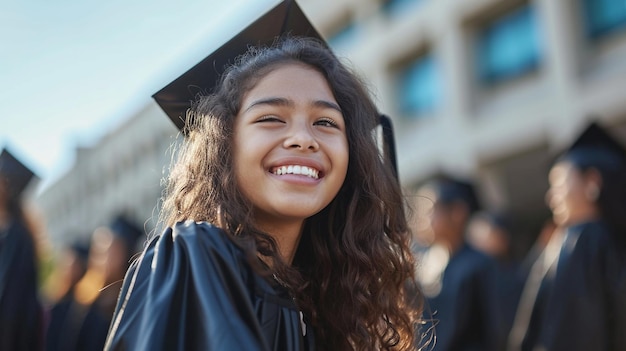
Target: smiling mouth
x: 297, y: 170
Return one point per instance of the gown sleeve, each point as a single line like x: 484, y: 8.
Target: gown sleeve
x: 188, y: 291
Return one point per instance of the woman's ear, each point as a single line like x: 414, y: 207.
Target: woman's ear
x: 593, y: 183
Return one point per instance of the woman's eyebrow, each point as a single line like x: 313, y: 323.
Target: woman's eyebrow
x: 272, y: 101
x: 326, y: 104
x: 277, y: 101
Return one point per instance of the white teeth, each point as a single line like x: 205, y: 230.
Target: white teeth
x: 297, y: 169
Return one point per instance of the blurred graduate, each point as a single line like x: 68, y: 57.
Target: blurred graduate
x: 21, y: 316
x: 575, y: 296
x: 80, y: 319
x: 462, y: 310
x: 491, y: 232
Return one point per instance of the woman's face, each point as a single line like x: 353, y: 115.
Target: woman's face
x: 568, y: 196
x: 290, y: 145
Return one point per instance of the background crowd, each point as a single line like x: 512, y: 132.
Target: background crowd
x: 567, y: 293
x: 61, y: 304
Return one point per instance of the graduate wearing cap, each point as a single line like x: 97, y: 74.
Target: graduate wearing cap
x: 284, y: 226
x: 580, y: 302
x: 491, y: 232
x: 21, y: 326
x: 80, y: 321
x: 64, y: 319
x: 459, y: 282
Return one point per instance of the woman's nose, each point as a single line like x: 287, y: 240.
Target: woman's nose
x: 301, y: 137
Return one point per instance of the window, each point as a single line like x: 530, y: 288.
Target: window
x: 396, y: 6
x: 344, y: 35
x: 419, y: 87
x: 603, y: 17
x: 508, y: 47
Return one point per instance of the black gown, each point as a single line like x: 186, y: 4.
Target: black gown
x: 76, y: 327
x: 21, y: 314
x: 194, y: 289
x: 584, y: 305
x: 465, y: 313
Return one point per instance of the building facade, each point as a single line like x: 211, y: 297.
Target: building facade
x: 487, y: 89
x: 120, y: 173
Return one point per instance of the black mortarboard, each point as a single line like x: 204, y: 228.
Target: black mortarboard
x: 17, y: 175
x: 595, y: 147
x: 125, y: 229
x: 450, y: 189
x: 81, y: 250
x: 285, y: 18
x: 497, y: 219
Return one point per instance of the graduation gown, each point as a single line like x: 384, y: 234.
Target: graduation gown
x: 21, y: 314
x: 194, y: 289
x: 76, y: 327
x: 585, y: 304
x: 465, y: 314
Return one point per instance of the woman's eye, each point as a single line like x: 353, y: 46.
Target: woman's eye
x: 326, y: 122
x: 269, y: 118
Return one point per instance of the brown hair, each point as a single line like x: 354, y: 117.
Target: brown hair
x: 353, y: 271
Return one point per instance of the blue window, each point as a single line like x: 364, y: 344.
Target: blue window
x: 345, y: 35
x: 509, y: 47
x: 603, y: 16
x: 396, y: 6
x: 419, y: 87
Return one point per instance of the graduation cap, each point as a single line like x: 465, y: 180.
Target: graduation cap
x: 450, y: 189
x: 81, y: 250
x: 125, y: 229
x: 595, y: 147
x: 497, y: 219
x: 16, y: 174
x: 286, y: 18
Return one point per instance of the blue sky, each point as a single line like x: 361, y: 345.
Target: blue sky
x: 72, y: 69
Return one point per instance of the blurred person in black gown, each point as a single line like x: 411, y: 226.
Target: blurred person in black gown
x: 69, y: 270
x: 458, y: 281
x: 21, y: 314
x: 579, y: 300
x: 80, y: 321
x: 490, y: 232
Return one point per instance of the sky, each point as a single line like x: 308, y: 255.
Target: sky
x: 70, y: 70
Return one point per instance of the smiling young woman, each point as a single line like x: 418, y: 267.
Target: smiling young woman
x: 285, y: 229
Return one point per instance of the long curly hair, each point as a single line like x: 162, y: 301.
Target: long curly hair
x: 353, y: 273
